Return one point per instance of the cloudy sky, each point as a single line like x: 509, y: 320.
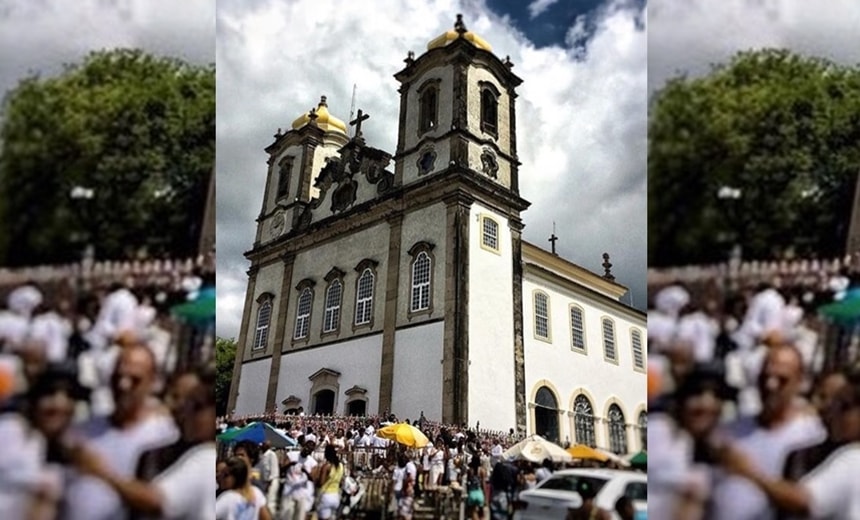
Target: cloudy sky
x: 581, y: 112
x: 41, y: 35
x: 688, y: 35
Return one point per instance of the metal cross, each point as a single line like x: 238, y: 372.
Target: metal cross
x: 359, y: 117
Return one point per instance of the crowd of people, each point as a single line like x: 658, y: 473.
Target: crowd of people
x: 100, y: 417
x: 459, y: 463
x: 752, y: 417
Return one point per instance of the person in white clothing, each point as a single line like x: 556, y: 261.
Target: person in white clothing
x: 185, y: 487
x: 782, y: 427
x: 241, y: 501
x: 832, y: 490
x: 135, y: 426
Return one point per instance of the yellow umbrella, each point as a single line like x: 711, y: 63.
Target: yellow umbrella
x: 581, y: 451
x: 405, y: 434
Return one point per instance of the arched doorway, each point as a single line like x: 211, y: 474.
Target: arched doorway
x: 324, y: 402
x: 584, y: 421
x: 546, y: 414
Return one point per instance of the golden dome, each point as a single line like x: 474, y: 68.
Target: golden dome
x: 458, y: 31
x: 324, y: 119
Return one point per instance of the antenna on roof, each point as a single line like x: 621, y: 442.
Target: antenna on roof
x: 352, y: 108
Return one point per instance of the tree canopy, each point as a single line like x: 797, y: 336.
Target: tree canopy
x: 225, y: 355
x: 763, y: 152
x: 135, y: 131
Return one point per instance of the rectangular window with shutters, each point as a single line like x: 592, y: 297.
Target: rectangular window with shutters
x: 541, y: 301
x: 577, y: 329
x: 610, y: 353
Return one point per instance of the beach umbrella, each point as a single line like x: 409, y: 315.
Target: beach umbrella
x: 258, y: 432
x: 197, y: 311
x: 583, y: 452
x: 639, y: 459
x: 536, y: 449
x: 405, y: 434
x: 615, y: 458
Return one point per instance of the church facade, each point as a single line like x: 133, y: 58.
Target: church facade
x: 407, y: 291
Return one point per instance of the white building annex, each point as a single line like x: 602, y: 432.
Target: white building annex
x: 409, y: 291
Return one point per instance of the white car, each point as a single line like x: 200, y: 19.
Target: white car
x: 553, y: 497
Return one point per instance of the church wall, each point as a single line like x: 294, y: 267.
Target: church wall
x: 326, y: 150
x: 425, y: 224
x: 357, y: 360
x: 503, y: 174
x: 568, y: 372
x: 491, y: 334
x: 251, y: 398
x: 418, y: 372
x: 268, y: 281
x: 443, y: 157
x: 345, y: 253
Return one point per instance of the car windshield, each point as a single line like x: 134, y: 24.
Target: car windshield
x: 568, y: 482
x: 636, y: 491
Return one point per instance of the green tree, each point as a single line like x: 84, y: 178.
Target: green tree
x: 779, y: 134
x: 137, y: 130
x: 225, y: 356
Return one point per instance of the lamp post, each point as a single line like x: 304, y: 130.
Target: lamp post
x: 729, y: 196
x: 82, y: 197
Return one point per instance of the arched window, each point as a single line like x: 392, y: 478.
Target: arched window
x: 421, y: 295
x: 546, y: 414
x: 643, y: 430
x: 617, y: 431
x: 261, y: 333
x: 577, y: 328
x: 489, y: 233
x: 489, y: 108
x: 331, y: 319
x: 638, y: 355
x: 364, y: 298
x: 303, y: 313
x: 609, y: 351
x: 541, y: 301
x: 428, y: 105
x: 583, y: 420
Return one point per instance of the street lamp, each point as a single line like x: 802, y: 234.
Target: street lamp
x: 729, y: 195
x: 82, y: 195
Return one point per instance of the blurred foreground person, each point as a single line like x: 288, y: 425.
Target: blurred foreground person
x: 832, y: 490
x: 678, y: 445
x: 136, y: 425
x: 784, y: 425
x: 185, y: 489
x: 31, y: 475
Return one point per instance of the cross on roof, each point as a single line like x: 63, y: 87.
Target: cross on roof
x: 359, y: 117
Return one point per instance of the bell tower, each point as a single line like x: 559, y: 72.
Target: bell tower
x: 457, y: 110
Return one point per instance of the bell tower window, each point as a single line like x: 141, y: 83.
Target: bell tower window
x: 285, y: 168
x: 428, y: 106
x: 489, y: 109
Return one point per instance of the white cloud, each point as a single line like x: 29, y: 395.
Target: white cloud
x: 686, y: 36
x: 581, y: 123
x: 539, y: 6
x: 40, y: 36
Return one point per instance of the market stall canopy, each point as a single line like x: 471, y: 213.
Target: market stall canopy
x: 258, y: 432
x: 537, y: 449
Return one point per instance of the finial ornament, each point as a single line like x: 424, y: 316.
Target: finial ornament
x: 459, y: 26
x: 323, y: 101
x: 607, y: 268
x: 359, y: 117
x: 312, y: 115
x: 508, y: 63
x: 410, y: 58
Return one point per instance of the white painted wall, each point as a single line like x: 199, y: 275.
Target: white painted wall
x: 357, y: 360
x: 445, y: 104
x: 253, y: 385
x: 568, y: 372
x: 491, y: 331
x: 418, y: 372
